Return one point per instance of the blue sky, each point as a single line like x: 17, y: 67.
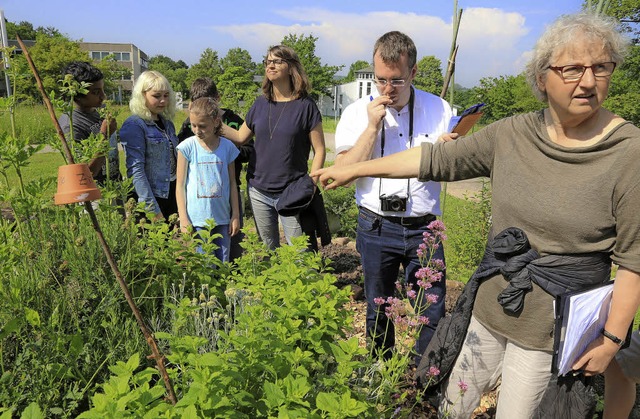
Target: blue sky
x: 495, y: 35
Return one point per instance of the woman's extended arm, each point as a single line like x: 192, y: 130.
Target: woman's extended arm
x: 238, y: 137
x: 405, y: 164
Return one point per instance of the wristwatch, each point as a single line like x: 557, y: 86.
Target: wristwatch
x: 613, y: 338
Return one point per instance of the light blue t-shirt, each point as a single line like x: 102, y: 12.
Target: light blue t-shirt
x: 208, y: 182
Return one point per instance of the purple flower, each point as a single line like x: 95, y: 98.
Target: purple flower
x: 411, y: 294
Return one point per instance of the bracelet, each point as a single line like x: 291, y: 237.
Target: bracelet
x: 613, y: 338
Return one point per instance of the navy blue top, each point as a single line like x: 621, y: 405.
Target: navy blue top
x: 282, y: 142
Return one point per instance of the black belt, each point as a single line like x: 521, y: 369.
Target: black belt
x: 404, y: 221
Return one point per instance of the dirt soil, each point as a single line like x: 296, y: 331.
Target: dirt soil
x: 345, y: 262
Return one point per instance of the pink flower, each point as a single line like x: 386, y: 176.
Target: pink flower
x: 436, y: 225
x: 423, y: 320
x: 398, y: 286
x: 437, y: 264
x: 432, y: 298
x: 424, y: 284
x: 433, y: 371
x: 411, y: 294
x: 463, y: 386
x: 379, y: 301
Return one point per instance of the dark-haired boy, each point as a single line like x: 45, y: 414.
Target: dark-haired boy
x: 87, y: 120
x: 205, y: 87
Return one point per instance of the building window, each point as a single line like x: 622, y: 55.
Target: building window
x: 340, y: 100
x: 368, y: 88
x: 360, y: 90
x: 118, y: 56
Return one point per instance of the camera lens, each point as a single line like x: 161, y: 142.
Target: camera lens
x: 396, y: 205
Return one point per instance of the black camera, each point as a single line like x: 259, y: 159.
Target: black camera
x: 393, y: 203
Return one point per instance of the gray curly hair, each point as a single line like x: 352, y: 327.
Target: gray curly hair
x: 562, y: 34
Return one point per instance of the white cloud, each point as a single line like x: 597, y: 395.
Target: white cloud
x: 488, y: 38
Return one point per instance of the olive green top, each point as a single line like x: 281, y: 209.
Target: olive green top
x: 567, y: 200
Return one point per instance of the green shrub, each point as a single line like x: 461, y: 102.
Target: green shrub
x: 468, y: 221
x: 342, y: 211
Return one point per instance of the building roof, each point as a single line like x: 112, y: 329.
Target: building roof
x: 365, y: 70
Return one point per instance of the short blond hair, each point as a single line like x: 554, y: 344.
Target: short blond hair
x: 151, y: 80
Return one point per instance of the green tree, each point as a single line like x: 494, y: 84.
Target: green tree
x: 358, y: 65
x: 465, y: 97
x: 624, y: 90
x: 506, y: 96
x: 320, y: 75
x: 429, y: 76
x: 50, y: 54
x: 175, y: 71
x: 27, y: 32
x: 162, y: 61
x: 627, y: 11
x: 235, y: 84
x: 238, y: 57
x: 237, y: 89
x: 208, y: 66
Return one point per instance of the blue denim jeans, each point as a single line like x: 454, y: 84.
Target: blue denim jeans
x: 384, y: 246
x: 263, y: 205
x: 223, y: 242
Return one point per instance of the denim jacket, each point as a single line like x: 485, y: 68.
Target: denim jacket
x: 148, y: 157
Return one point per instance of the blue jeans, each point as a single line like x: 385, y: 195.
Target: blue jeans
x: 384, y: 245
x: 223, y: 242
x: 263, y: 205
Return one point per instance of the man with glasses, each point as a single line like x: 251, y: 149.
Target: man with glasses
x: 394, y: 213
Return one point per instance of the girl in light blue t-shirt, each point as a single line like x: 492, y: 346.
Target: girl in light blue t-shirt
x: 206, y: 185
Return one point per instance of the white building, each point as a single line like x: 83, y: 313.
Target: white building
x: 345, y: 94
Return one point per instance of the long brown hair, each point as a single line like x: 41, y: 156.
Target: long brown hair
x: 300, y: 85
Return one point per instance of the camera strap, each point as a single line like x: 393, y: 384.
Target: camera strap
x: 383, y: 138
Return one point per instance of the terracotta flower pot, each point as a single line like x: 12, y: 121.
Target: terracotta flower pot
x: 75, y: 184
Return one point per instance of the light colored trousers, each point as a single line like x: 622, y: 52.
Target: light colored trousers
x: 263, y: 205
x: 485, y: 356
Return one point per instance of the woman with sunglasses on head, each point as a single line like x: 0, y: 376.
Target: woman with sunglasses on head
x: 565, y: 199
x: 286, y: 123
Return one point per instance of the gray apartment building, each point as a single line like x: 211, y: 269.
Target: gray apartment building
x: 128, y: 55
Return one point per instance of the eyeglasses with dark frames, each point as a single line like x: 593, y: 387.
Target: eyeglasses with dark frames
x: 276, y: 61
x: 575, y: 72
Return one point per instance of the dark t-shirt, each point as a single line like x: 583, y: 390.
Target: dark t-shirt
x: 234, y: 121
x: 282, y: 141
x: 85, y: 124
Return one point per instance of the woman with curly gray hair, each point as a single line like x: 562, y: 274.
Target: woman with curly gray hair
x: 565, y: 198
